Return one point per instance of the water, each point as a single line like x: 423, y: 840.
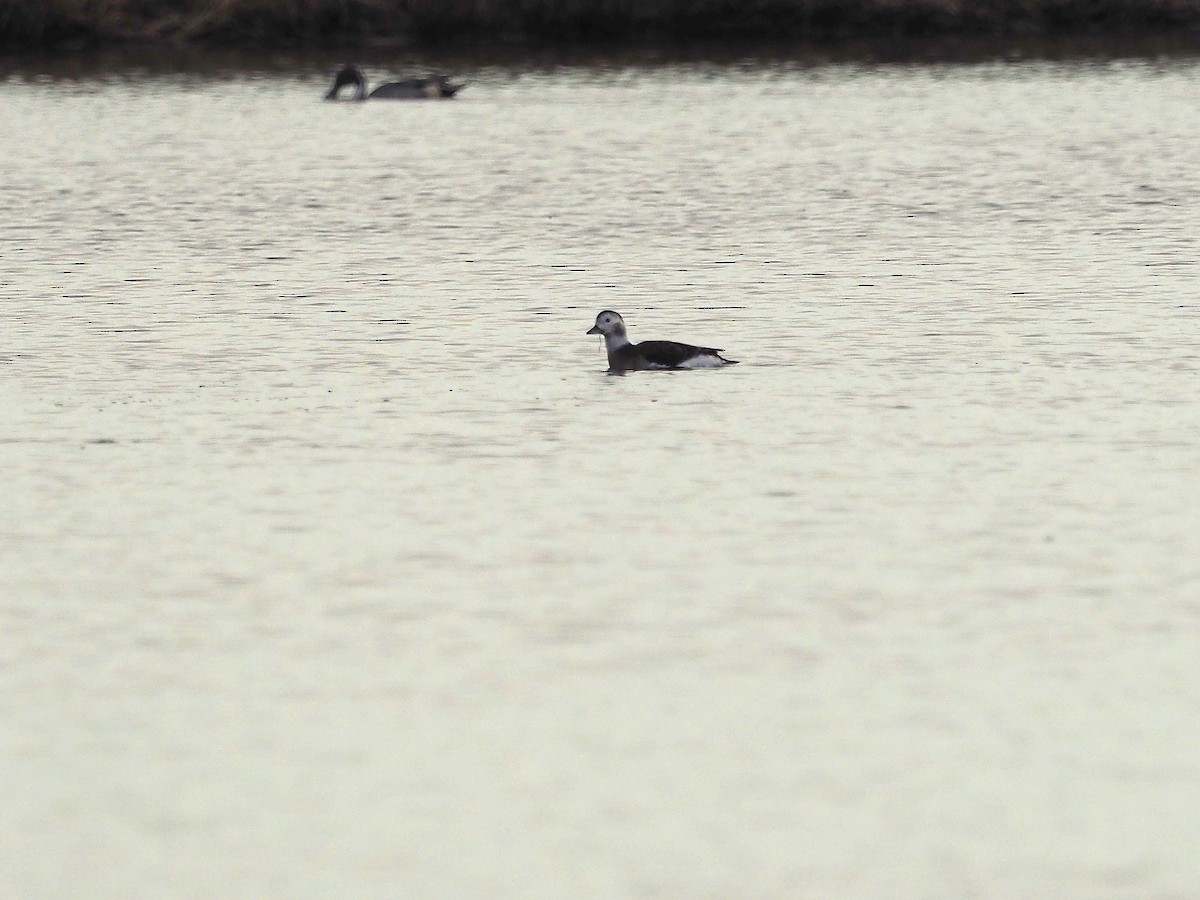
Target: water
x: 333, y: 562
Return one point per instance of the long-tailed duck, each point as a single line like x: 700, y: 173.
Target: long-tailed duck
x: 432, y: 87
x: 624, y: 356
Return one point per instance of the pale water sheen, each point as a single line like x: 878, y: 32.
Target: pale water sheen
x: 333, y: 564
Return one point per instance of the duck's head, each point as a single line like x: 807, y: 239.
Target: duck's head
x: 440, y: 86
x: 346, y: 76
x: 608, y: 323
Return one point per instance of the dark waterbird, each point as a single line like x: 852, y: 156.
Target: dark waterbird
x: 431, y: 87
x: 625, y: 356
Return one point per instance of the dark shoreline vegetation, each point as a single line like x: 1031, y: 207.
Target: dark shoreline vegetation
x: 72, y: 24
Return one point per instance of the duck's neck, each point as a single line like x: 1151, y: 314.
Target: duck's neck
x: 353, y: 78
x: 615, y: 340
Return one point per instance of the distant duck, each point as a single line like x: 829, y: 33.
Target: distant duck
x: 624, y: 356
x: 432, y: 87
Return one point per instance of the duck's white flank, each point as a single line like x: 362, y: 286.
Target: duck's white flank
x: 704, y: 361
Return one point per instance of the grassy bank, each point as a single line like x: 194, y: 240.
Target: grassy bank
x: 49, y: 23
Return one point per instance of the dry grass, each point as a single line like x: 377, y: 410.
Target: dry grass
x: 36, y: 23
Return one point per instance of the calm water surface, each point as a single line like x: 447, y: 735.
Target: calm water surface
x: 332, y: 563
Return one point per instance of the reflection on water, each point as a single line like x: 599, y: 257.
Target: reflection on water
x: 331, y: 557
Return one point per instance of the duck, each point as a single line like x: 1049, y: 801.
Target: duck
x: 431, y: 87
x: 625, y: 356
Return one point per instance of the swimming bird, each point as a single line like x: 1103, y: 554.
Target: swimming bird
x: 624, y: 356
x: 431, y: 87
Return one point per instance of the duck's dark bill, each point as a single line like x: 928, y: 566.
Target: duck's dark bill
x: 593, y: 330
